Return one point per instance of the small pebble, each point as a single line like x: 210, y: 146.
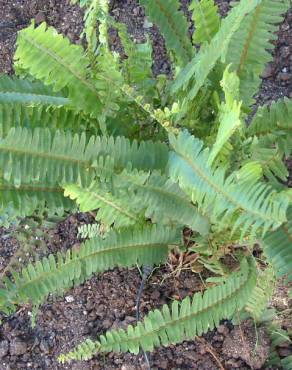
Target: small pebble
x: 69, y: 298
x: 3, y: 348
x: 17, y: 347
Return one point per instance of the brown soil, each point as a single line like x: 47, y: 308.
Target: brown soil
x: 108, y: 301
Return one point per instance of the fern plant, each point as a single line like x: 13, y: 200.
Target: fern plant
x: 150, y: 156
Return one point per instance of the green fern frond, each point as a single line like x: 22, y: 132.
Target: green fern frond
x: 206, y: 18
x: 279, y: 336
x: 275, y: 118
x: 147, y: 245
x: 165, y: 202
x: 250, y: 47
x: 14, y: 90
x: 250, y: 205
x: 257, y: 302
x: 173, y: 26
x: 277, y: 247
x: 137, y: 67
x: 49, y: 57
x: 204, y: 61
x: 287, y: 362
x: 27, y: 198
x: 111, y: 208
x: 181, y: 321
x: 14, y: 115
x: 271, y: 161
x: 61, y: 157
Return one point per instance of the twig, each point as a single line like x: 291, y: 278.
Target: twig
x: 146, y: 272
x: 212, y: 352
x: 12, y: 25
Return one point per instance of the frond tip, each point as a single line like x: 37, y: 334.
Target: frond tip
x: 181, y: 321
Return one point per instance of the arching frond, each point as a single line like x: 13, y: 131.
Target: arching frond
x: 145, y: 246
x: 14, y: 90
x: 173, y: 26
x: 14, y: 115
x: 206, y: 18
x: 25, y: 199
x: 35, y: 155
x: 251, y: 205
x: 177, y: 322
x: 250, y: 47
x: 204, y: 61
x: 49, y: 57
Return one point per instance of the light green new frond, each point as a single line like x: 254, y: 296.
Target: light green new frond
x: 250, y: 47
x: 89, y: 231
x: 173, y: 26
x: 177, y: 322
x: 229, y: 113
x: 50, y: 57
x: 14, y: 90
x: 112, y: 208
x: 61, y: 157
x: 277, y: 246
x: 96, y: 11
x: 204, y: 61
x: 165, y: 202
x: 249, y: 205
x: 206, y: 19
x: 145, y: 246
x: 251, y: 171
x: 258, y: 300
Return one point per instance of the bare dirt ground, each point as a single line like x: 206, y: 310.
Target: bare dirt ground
x: 108, y: 301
